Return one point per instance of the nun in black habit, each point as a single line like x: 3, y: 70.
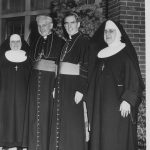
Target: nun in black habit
x: 14, y: 74
x: 6, y: 46
x: 115, y: 89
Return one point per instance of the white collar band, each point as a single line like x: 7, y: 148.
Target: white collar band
x: 16, y: 56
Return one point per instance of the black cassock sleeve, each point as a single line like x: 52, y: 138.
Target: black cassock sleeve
x: 83, y: 78
x: 131, y: 84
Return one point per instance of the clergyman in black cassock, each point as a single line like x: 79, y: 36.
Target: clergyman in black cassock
x: 69, y: 114
x: 45, y: 52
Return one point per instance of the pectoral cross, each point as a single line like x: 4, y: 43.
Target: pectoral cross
x: 16, y: 67
x: 103, y: 66
x: 39, y: 56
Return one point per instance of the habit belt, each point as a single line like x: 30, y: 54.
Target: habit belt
x: 45, y: 65
x: 69, y: 68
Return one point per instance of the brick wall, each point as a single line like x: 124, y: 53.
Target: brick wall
x: 131, y: 14
x: 113, y: 9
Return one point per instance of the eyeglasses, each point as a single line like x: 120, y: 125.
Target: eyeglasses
x: 14, y: 42
x: 109, y: 31
x: 44, y: 25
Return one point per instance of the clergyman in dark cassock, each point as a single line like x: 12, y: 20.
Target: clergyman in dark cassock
x: 45, y: 51
x: 69, y: 130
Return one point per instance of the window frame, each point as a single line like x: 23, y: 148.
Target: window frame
x: 27, y: 14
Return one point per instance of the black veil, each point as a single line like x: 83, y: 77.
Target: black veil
x: 5, y: 46
x: 98, y: 41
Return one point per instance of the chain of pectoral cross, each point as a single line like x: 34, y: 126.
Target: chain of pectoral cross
x: 63, y: 54
x: 49, y: 49
x: 66, y: 50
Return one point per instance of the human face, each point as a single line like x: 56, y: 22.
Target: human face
x: 15, y: 44
x: 71, y: 25
x: 109, y: 35
x: 45, y: 27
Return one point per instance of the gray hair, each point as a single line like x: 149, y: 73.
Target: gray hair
x: 43, y: 17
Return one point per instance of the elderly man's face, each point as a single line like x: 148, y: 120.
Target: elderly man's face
x: 44, y: 27
x: 15, y: 44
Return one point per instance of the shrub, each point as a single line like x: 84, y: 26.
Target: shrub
x: 141, y: 126
x: 90, y: 14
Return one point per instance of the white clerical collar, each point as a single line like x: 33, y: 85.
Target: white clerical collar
x: 45, y: 37
x: 16, y: 55
x: 111, y: 50
x: 71, y: 36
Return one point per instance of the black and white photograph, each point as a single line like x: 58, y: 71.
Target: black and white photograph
x: 74, y: 74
